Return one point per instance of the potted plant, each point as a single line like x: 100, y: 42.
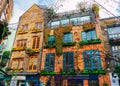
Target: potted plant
x: 29, y: 51
x: 6, y: 54
x: 105, y: 84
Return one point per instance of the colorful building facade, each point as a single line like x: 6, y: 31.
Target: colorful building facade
x: 74, y: 52
x: 26, y: 52
x: 69, y: 52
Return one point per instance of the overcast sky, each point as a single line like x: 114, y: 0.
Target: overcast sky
x: 20, y: 6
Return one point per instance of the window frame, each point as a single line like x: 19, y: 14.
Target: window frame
x: 90, y: 33
x: 22, y: 43
x: 36, y: 43
x: 92, y: 60
x: 17, y: 66
x: 50, y: 60
x: 51, y: 40
x: 69, y: 65
x: 68, y: 37
x: 33, y: 63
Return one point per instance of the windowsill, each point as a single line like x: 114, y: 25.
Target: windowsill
x: 23, y: 32
x: 18, y: 49
x: 86, y: 42
x: 31, y: 70
x: 36, y: 30
x: 36, y: 50
x: 66, y: 44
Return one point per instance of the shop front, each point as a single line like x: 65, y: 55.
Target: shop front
x: 32, y: 80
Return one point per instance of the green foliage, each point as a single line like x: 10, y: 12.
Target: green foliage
x: 94, y: 71
x: 90, y: 42
x: 4, y: 62
x: 95, y: 8
x: 6, y: 54
x: 5, y: 30
x: 29, y: 51
x: 50, y: 46
x: 82, y: 6
x: 105, y: 84
x: 117, y: 70
x: 47, y: 33
x: 51, y: 13
x: 88, y: 26
x: 69, y: 44
x: 59, y: 32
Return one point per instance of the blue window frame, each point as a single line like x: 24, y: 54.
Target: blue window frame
x: 67, y: 37
x: 89, y: 35
x: 65, y: 22
x: 92, y: 59
x: 49, y: 62
x: 68, y: 60
x: 55, y: 24
x: 51, y: 39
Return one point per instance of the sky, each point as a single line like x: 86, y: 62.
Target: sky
x: 20, y: 6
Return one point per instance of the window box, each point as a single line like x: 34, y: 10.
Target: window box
x: 23, y: 32
x: 15, y: 70
x: 50, y: 46
x: 69, y: 44
x: 93, y: 71
x: 48, y: 72
x: 36, y: 50
x: 96, y: 41
x: 18, y: 49
x: 36, y: 30
x: 70, y: 72
x: 88, y: 26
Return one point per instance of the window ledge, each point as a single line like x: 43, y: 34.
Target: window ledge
x: 66, y: 44
x: 23, y: 32
x: 36, y: 30
x: 36, y: 50
x: 18, y: 49
x: 96, y: 41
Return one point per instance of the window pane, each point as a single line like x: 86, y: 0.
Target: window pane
x: 68, y: 60
x: 67, y: 37
x: 92, y: 59
x: 51, y: 39
x: 49, y: 61
x: 65, y: 22
x: 55, y: 24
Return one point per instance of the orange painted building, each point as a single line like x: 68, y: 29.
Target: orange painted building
x: 74, y: 52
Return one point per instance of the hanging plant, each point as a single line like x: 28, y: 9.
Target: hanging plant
x: 29, y: 51
x: 95, y: 8
x: 6, y: 54
x: 105, y: 84
x: 88, y: 25
x: 59, y: 32
x: 47, y: 33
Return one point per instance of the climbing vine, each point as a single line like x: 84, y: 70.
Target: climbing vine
x: 59, y: 32
x: 47, y: 33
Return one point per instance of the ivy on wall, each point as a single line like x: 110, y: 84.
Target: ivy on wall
x: 47, y: 33
x: 59, y: 32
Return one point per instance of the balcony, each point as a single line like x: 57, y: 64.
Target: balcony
x: 36, y: 30
x: 18, y: 49
x: 22, y: 31
x: 115, y: 40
